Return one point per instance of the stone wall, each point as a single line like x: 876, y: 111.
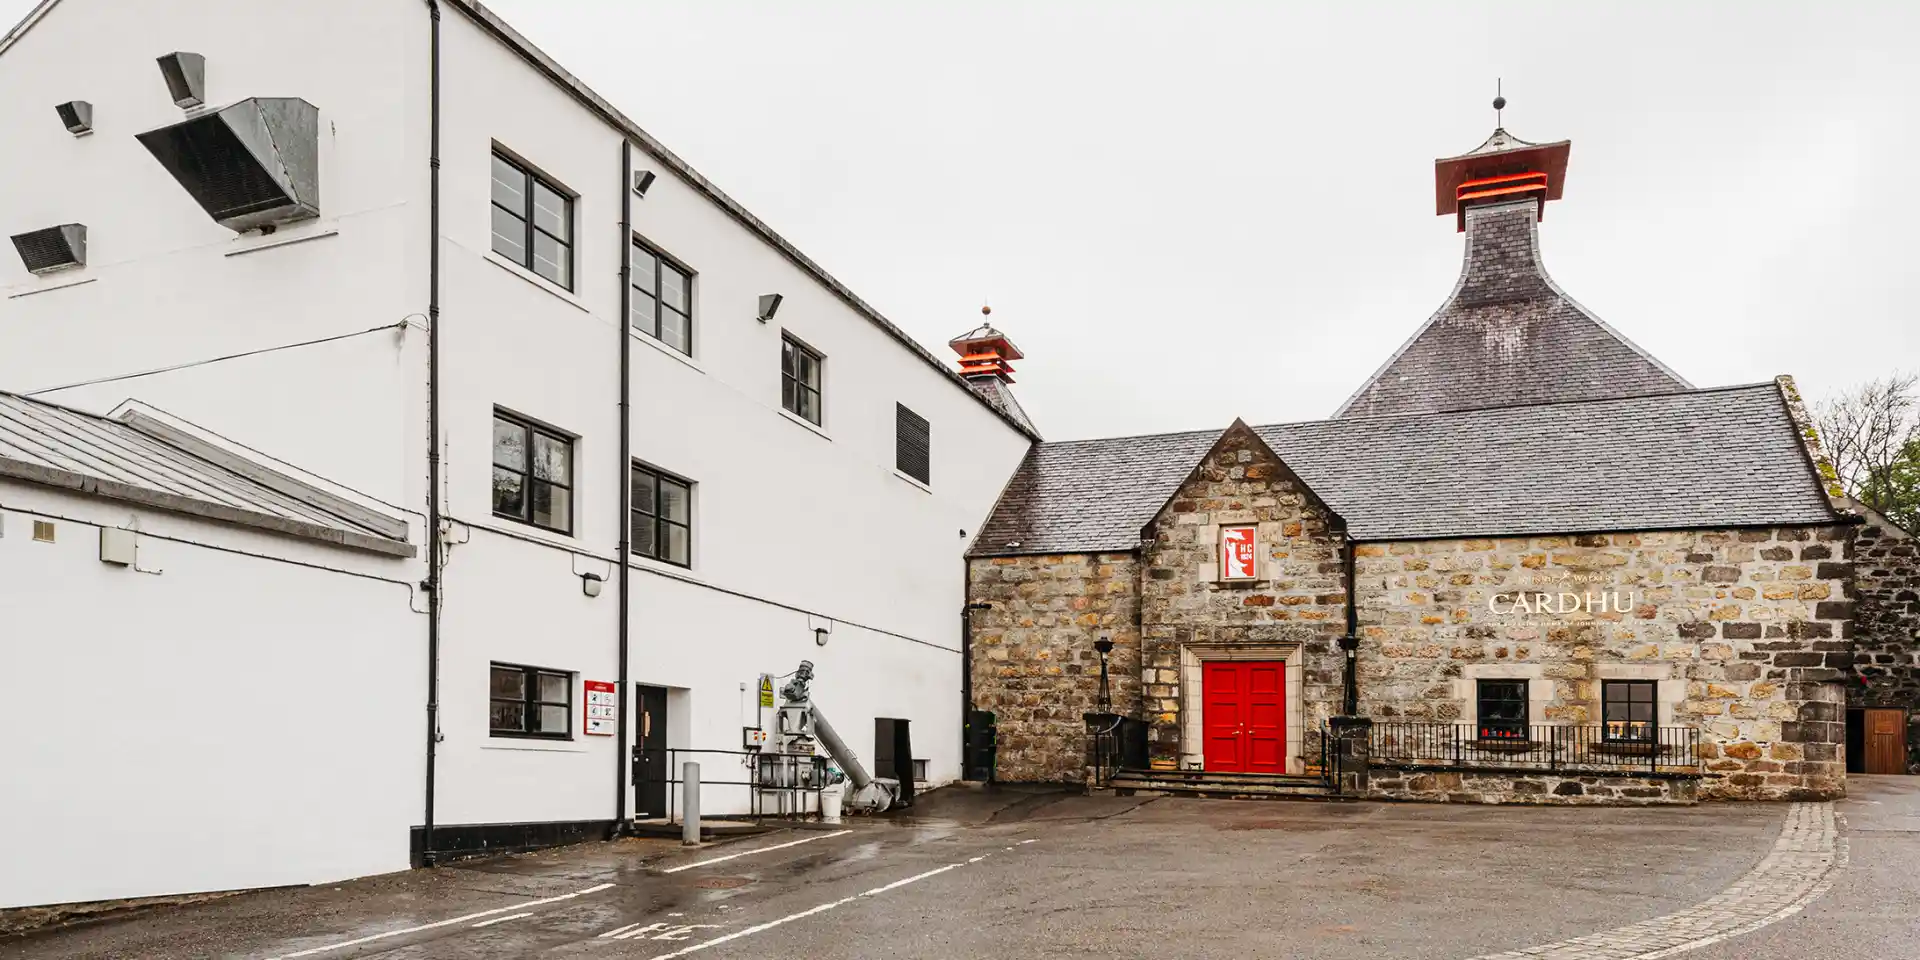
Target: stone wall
x: 1034, y: 664
x: 1297, y: 601
x: 1564, y: 789
x: 1744, y: 631
x: 1886, y: 631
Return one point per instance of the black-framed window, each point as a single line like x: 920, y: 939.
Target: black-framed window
x: 532, y: 473
x: 529, y: 702
x: 799, y: 379
x: 532, y: 221
x: 1629, y: 709
x: 662, y: 304
x: 662, y: 516
x: 1503, y: 709
x: 912, y: 444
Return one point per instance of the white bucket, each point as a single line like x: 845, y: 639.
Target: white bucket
x: 830, y: 800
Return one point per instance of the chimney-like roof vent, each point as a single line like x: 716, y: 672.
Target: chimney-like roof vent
x: 985, y: 351
x: 77, y: 115
x: 53, y: 248
x: 253, y: 164
x: 186, y: 75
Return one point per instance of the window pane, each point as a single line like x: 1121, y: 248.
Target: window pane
x: 789, y: 399
x: 641, y: 314
x: 552, y: 507
x: 508, y: 716
x: 508, y: 682
x: 786, y: 357
x: 643, y: 266
x: 809, y: 405
x: 553, y: 719
x: 509, y: 186
x: 552, y: 459
x: 509, y: 445
x: 674, y: 542
x: 674, y: 499
x: 553, y: 687
x: 642, y: 491
x: 552, y: 259
x: 675, y: 330
x: 551, y: 211
x: 807, y: 368
x: 673, y: 288
x: 509, y: 236
x: 509, y: 493
x: 643, y: 542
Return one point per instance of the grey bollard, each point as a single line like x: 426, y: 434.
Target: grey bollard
x: 690, y: 803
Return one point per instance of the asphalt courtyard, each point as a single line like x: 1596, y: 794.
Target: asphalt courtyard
x: 1009, y: 875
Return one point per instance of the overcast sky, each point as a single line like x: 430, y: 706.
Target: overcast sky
x: 1189, y: 211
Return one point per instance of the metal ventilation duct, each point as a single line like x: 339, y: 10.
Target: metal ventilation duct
x: 77, y: 115
x: 253, y: 164
x: 186, y: 75
x: 54, y: 248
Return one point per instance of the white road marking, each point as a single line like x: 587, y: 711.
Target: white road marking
x: 329, y: 948
x: 511, y: 916
x: 620, y: 930
x: 822, y: 908
x: 746, y: 853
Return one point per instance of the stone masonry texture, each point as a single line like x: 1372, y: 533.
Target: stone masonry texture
x: 1753, y: 624
x: 1299, y: 597
x: 1034, y: 663
x: 1533, y: 787
x: 1886, y: 636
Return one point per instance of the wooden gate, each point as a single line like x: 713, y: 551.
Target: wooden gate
x: 1886, y: 740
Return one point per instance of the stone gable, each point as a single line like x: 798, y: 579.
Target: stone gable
x: 1886, y: 569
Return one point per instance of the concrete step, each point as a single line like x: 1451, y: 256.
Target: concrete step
x: 1236, y: 786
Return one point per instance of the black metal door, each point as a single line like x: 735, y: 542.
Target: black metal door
x: 650, y: 752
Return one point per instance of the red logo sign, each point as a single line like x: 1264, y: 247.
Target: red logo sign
x: 1236, y: 553
x: 603, y: 708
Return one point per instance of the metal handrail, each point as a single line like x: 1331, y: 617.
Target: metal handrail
x: 767, y: 774
x: 1539, y: 746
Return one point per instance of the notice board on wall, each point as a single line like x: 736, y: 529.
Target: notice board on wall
x: 603, y: 708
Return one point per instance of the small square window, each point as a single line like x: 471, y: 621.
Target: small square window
x: 1503, y: 709
x: 529, y: 702
x: 1238, y: 553
x: 532, y: 221
x: 1630, y: 709
x: 799, y: 379
x: 532, y: 474
x: 662, y: 517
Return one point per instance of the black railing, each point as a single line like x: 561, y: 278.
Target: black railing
x: 778, y: 784
x: 1103, y: 747
x: 1538, y: 747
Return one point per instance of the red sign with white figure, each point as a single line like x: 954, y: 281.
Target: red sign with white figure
x: 603, y: 707
x: 1236, y: 553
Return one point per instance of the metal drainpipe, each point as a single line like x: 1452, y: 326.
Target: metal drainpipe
x: 966, y: 657
x: 620, y: 758
x: 433, y: 428
x: 1350, y: 644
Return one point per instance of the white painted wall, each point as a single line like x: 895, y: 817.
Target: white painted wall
x: 211, y: 720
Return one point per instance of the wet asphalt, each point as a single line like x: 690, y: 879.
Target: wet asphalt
x: 1008, y: 874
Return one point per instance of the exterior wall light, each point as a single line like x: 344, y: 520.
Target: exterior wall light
x: 820, y: 636
x: 590, y: 584
x: 769, y: 305
x: 642, y: 179
x: 76, y: 116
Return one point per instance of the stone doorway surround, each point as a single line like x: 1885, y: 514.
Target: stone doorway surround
x: 1192, y: 729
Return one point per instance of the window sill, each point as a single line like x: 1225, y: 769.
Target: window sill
x: 802, y: 421
x: 641, y: 561
x: 537, y: 280
x: 914, y: 483
x: 650, y: 341
x: 527, y: 531
x: 533, y: 745
x: 278, y: 238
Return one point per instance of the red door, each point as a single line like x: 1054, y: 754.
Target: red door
x: 1244, y: 716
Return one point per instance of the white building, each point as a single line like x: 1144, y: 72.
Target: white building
x: 236, y: 693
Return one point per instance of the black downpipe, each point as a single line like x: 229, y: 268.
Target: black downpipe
x: 1350, y: 644
x: 433, y: 426
x: 966, y: 659
x: 620, y: 759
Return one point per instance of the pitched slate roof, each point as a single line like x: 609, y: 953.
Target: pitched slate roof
x: 1508, y: 335
x: 61, y: 447
x: 1723, y: 457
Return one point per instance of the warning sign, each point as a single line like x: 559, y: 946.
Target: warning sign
x: 766, y: 690
x: 603, y: 708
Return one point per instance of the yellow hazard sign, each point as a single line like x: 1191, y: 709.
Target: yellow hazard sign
x: 766, y: 690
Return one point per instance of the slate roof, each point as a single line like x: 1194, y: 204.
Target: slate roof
x: 1508, y: 335
x: 65, y: 448
x: 1722, y: 457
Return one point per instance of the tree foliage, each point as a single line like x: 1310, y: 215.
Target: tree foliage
x: 1872, y: 434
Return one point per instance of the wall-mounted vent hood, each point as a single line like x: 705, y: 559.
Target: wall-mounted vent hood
x: 54, y: 248
x: 186, y: 76
x: 253, y: 164
x: 76, y: 116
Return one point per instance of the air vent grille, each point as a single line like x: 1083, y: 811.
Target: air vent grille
x: 248, y: 165
x: 186, y: 75
x: 54, y: 248
x: 913, y: 441
x: 77, y: 116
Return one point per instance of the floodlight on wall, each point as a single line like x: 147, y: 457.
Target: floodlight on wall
x: 642, y: 179
x: 77, y: 115
x: 590, y: 584
x: 52, y: 248
x: 769, y: 305
x: 186, y: 75
x: 820, y: 636
x: 253, y: 164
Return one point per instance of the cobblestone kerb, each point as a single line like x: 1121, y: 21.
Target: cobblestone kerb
x: 1799, y: 869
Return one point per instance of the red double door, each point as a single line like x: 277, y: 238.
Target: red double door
x: 1244, y: 715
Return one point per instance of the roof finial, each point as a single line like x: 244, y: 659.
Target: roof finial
x: 1499, y: 103
x: 986, y: 310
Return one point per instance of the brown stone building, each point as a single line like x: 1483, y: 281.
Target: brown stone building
x: 1541, y: 565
